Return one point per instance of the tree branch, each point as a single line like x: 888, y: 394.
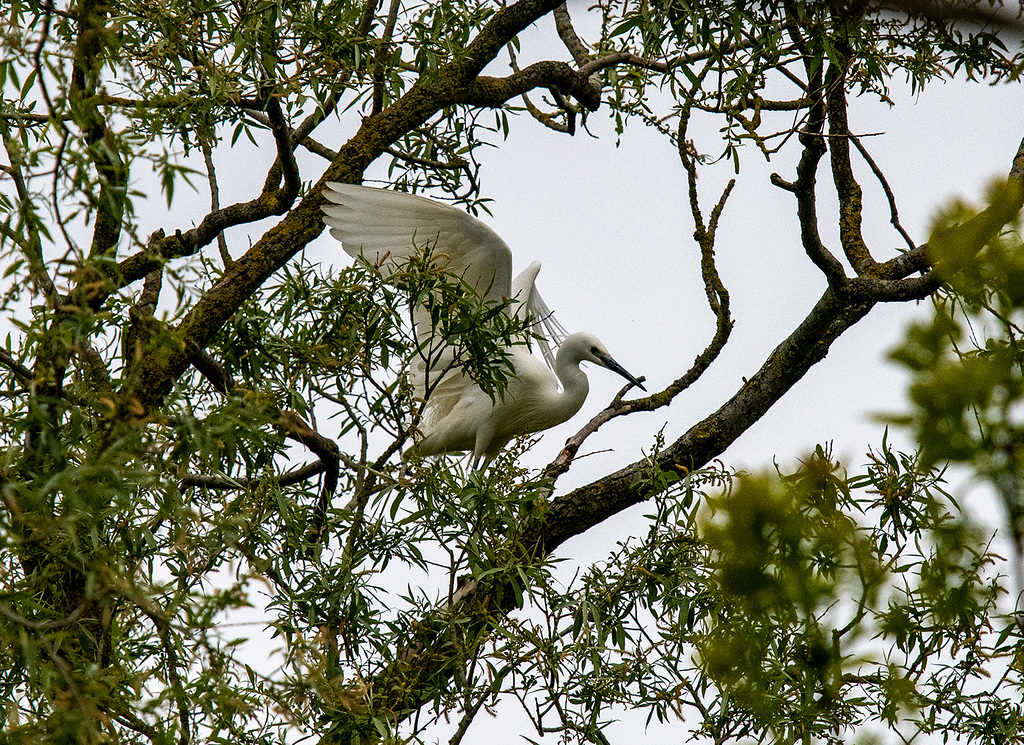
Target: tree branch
x: 476, y: 603
x: 569, y: 37
x: 382, y: 52
x: 894, y: 215
x: 22, y: 373
x: 804, y: 188
x: 140, y: 329
x: 281, y: 198
x: 299, y: 430
x: 494, y: 92
x: 226, y: 483
x: 211, y: 179
x: 92, y: 38
x: 849, y: 191
x: 211, y: 369
x: 919, y: 259
x: 26, y: 232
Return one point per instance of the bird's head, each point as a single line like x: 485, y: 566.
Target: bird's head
x: 588, y: 348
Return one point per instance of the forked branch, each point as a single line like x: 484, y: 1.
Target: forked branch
x: 718, y: 301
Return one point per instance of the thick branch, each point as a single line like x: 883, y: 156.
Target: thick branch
x: 494, y: 92
x: 834, y: 313
x: 20, y: 372
x: 569, y: 37
x: 587, y: 506
x: 804, y: 189
x: 284, y: 196
x: 504, y: 25
x: 89, y: 55
x: 805, y: 347
x: 189, y: 242
x: 847, y: 188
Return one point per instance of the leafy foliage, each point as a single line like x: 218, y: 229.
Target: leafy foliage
x: 195, y: 432
x: 778, y: 607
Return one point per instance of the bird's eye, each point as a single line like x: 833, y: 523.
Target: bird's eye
x: 594, y: 350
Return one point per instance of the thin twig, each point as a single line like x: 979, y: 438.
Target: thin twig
x: 225, y: 483
x: 211, y: 177
x: 383, y: 51
x: 894, y: 216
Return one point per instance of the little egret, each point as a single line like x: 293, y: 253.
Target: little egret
x: 386, y: 227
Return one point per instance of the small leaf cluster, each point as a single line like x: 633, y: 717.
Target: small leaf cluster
x: 965, y: 360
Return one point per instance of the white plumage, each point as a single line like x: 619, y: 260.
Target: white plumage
x: 388, y: 228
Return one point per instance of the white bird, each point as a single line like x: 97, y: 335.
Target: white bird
x: 389, y: 227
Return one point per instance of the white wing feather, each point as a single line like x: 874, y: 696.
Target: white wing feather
x: 388, y: 227
x: 379, y: 223
x: 529, y: 303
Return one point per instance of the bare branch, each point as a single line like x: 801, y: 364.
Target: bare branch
x: 443, y: 165
x: 849, y: 191
x: 629, y: 58
x: 566, y: 32
x: 894, y: 215
x: 227, y: 483
x: 285, y: 159
x: 918, y: 259
x: 211, y: 177
x: 548, y: 120
x: 382, y: 52
x: 804, y: 189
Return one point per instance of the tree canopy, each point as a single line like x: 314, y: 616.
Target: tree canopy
x: 197, y: 417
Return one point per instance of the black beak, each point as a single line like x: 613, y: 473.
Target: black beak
x: 616, y: 367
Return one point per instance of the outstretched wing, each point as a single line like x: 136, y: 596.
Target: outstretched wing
x: 529, y: 304
x: 389, y: 226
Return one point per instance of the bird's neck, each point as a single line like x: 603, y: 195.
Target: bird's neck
x: 575, y: 387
